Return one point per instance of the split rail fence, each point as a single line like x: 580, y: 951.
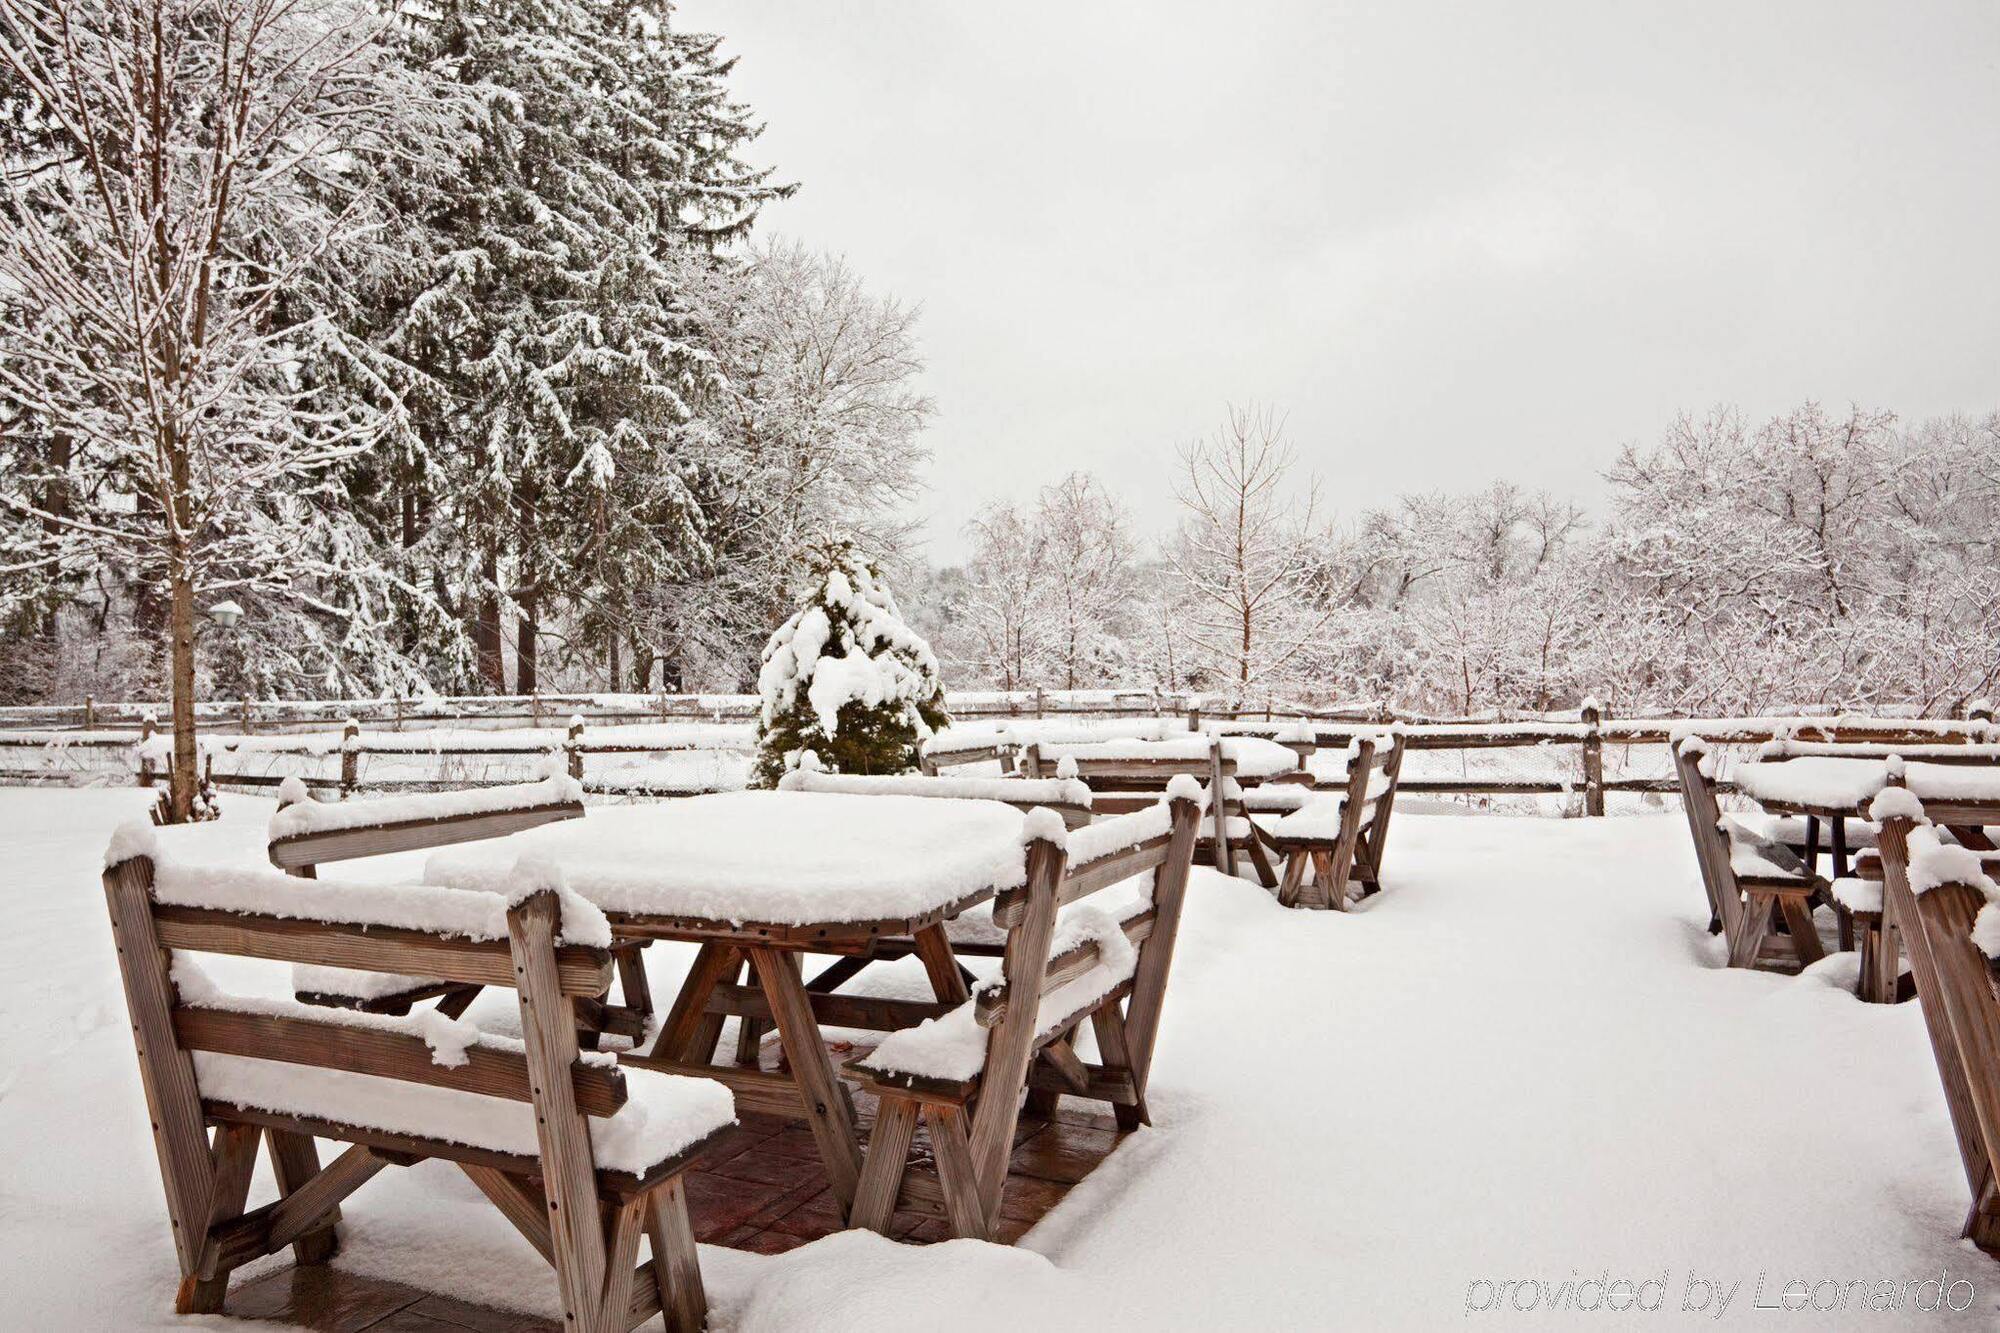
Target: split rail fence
x: 688, y: 744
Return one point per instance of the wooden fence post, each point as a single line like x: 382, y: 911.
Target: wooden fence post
x: 89, y: 713
x: 1593, y: 758
x: 574, y: 748
x: 146, y: 725
x: 1194, y: 717
x: 244, y: 708
x: 350, y: 757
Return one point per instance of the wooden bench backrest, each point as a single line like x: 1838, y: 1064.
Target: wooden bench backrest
x: 300, y: 853
x: 1011, y: 1011
x: 1711, y: 843
x: 548, y: 975
x: 1956, y: 989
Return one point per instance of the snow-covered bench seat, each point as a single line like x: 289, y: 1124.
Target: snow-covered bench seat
x: 542, y: 1129
x: 1067, y: 796
x: 1338, y: 834
x: 1066, y: 960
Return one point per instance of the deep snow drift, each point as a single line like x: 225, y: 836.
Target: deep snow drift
x: 1522, y: 1063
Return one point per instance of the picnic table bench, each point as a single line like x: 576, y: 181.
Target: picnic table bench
x: 581, y: 1155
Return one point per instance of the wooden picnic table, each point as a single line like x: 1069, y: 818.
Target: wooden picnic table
x: 1957, y: 796
x: 759, y: 879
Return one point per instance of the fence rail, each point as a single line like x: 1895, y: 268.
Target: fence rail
x: 514, y: 729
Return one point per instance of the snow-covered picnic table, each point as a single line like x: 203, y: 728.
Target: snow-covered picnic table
x: 1840, y: 787
x: 758, y: 879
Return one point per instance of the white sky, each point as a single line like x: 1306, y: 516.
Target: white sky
x: 1452, y: 241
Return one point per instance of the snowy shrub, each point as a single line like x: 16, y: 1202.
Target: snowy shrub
x: 847, y: 686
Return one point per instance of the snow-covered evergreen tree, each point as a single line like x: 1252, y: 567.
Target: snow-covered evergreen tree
x: 845, y: 679
x: 552, y: 443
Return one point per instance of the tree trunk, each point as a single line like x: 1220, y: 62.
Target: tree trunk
x: 525, y: 681
x: 612, y: 676
x: 486, y: 624
x: 642, y: 667
x: 183, y: 777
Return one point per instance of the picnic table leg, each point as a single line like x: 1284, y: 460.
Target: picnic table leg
x: 1812, y: 841
x: 1839, y: 849
x: 1805, y: 935
x: 689, y: 1019
x: 827, y: 1108
x: 941, y: 965
x: 1293, y: 884
x: 1754, y: 921
x: 1331, y: 879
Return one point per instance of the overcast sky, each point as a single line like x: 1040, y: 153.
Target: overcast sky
x: 1452, y: 242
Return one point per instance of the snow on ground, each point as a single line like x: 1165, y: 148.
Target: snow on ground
x: 1524, y: 1062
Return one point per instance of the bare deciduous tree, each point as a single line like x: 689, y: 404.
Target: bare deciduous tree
x: 1244, y: 553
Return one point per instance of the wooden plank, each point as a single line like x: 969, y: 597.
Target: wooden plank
x: 328, y: 845
x: 1065, y: 967
x: 940, y: 965
x: 579, y: 971
x: 1010, y: 1045
x: 1149, y: 978
x: 304, y: 1212
x: 518, y: 1202
x: 548, y: 1030
x: 166, y: 1072
x: 299, y: 1041
x: 1062, y: 1058
x: 621, y: 1252
x: 827, y: 1110
x: 883, y: 1168
x: 234, y: 1158
x: 1010, y: 905
x: 1921, y: 937
x: 295, y: 1164
x: 1114, y: 1047
x: 872, y: 1012
x: 687, y: 1019
x: 965, y: 1194
x: 754, y: 1089
x: 676, y: 1267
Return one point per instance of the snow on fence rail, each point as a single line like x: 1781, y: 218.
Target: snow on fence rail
x: 684, y: 745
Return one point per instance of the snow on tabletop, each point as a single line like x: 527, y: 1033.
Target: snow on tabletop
x: 778, y: 857
x: 952, y: 1046
x: 1014, y: 791
x: 309, y: 816
x: 183, y: 877
x: 1821, y: 782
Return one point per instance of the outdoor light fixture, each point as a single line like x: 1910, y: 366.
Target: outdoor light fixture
x: 225, y: 614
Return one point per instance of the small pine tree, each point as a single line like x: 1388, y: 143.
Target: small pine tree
x: 845, y: 679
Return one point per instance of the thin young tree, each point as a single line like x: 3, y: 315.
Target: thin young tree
x: 1245, y: 549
